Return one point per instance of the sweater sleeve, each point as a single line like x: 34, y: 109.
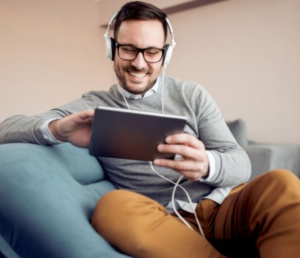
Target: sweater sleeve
x: 26, y: 129
x: 232, y: 164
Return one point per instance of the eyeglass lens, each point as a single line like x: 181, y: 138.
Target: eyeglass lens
x: 150, y: 54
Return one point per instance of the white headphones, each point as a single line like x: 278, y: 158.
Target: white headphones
x: 111, y: 43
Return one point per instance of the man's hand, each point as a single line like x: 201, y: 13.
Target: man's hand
x: 75, y: 128
x: 194, y: 164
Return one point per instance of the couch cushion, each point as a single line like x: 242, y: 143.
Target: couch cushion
x: 239, y: 130
x: 84, y: 168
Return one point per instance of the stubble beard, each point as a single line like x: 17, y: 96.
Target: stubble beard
x: 123, y: 82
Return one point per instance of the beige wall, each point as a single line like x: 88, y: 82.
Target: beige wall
x: 245, y: 52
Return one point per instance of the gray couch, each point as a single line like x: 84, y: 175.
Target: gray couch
x: 266, y: 156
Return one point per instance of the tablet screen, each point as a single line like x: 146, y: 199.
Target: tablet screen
x: 128, y: 134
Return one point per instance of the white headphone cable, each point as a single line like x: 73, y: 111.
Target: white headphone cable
x: 190, y: 201
x: 125, y: 101
x: 173, y: 201
x: 177, y: 183
x: 162, y: 80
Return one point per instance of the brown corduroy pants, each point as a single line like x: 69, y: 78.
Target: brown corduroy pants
x: 260, y: 219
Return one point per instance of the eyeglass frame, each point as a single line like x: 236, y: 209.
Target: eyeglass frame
x: 141, y: 50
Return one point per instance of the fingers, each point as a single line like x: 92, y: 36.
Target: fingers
x: 180, y: 165
x: 185, y: 145
x: 185, y: 139
x: 194, y: 164
x: 85, y: 115
x: 190, y: 169
x: 183, y: 150
x: 70, y: 127
x: 193, y: 170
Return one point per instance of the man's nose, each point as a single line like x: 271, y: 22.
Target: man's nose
x: 139, y: 62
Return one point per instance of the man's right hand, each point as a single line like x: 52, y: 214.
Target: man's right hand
x: 75, y: 128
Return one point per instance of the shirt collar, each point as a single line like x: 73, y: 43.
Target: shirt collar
x: 148, y: 93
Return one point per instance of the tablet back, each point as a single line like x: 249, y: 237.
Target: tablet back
x: 126, y: 134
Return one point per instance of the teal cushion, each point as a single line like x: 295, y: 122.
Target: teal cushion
x: 75, y: 160
x: 47, y: 197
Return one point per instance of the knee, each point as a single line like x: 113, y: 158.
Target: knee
x: 115, y: 203
x: 114, y: 208
x: 275, y: 184
x: 123, y: 215
x: 109, y: 206
x: 280, y: 177
x: 109, y: 209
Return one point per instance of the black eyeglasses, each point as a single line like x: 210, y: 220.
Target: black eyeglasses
x: 129, y: 53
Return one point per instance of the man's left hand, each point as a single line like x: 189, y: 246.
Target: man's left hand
x: 194, y: 163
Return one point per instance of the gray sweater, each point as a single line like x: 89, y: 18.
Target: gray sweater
x: 184, y: 98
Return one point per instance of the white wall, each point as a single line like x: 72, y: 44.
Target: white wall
x: 245, y: 52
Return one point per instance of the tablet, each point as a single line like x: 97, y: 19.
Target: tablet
x: 128, y: 134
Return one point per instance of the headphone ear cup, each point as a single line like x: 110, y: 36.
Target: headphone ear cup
x: 113, y: 48
x: 168, y: 54
x: 110, y: 48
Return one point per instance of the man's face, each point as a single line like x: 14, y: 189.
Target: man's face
x: 138, y: 76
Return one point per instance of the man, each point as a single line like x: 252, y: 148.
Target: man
x: 261, y: 219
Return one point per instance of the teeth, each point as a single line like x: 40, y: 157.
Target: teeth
x: 139, y: 75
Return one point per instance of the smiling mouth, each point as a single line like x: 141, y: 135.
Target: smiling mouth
x: 137, y: 75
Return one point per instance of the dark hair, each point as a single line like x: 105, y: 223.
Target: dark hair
x: 139, y: 11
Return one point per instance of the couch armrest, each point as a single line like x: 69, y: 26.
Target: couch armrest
x: 266, y: 157
x: 260, y: 160
x: 75, y: 160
